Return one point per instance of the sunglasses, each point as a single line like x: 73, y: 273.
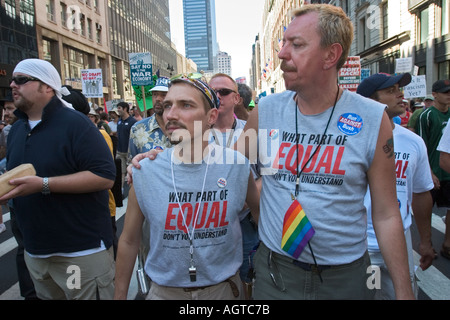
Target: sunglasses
x: 19, y: 80
x: 224, y: 92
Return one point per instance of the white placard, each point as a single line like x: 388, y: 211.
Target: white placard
x: 92, y: 83
x: 403, y: 65
x: 417, y: 88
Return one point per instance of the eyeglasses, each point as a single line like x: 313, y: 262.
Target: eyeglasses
x: 20, y: 80
x: 224, y: 92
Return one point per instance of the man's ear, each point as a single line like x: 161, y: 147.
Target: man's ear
x: 332, y: 56
x: 213, y: 115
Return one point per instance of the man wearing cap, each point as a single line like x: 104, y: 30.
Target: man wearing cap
x: 195, y: 238
x: 63, y: 211
x: 430, y: 127
x: 148, y: 133
x: 413, y: 180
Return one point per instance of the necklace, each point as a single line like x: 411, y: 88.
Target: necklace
x: 297, y: 183
x: 230, y: 137
x: 192, y: 268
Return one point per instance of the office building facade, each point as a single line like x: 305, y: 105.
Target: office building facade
x: 200, y: 33
x: 17, y: 38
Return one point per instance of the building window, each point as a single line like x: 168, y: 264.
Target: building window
x: 98, y: 33
x: 385, y: 11
x: 423, y: 26
x: 83, y: 25
x: 445, y: 16
x: 89, y: 28
x: 444, y: 70
x: 27, y: 12
x: 50, y: 5
x: 47, y: 49
x: 10, y: 7
x: 63, y: 14
x: 74, y: 62
x: 363, y: 35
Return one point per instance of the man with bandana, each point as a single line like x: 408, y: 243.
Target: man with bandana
x: 62, y: 211
x: 195, y: 236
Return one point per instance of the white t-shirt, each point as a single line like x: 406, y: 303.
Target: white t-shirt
x: 444, y: 143
x: 413, y: 176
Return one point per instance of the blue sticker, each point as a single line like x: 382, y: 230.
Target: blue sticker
x: 350, y: 124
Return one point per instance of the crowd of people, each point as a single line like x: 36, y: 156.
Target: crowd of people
x: 295, y: 197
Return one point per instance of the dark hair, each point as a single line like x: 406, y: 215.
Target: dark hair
x: 246, y: 93
x: 78, y: 100
x: 124, y: 106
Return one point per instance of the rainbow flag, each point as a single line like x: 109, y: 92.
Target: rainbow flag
x: 297, y: 230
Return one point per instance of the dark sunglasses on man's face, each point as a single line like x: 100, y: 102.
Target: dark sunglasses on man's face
x: 224, y: 92
x: 19, y: 80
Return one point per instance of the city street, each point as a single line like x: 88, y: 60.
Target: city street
x: 434, y: 283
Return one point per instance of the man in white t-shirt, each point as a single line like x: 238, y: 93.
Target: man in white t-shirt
x: 413, y: 180
x: 444, y: 163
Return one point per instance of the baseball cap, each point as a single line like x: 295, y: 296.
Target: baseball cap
x: 162, y: 84
x: 441, y: 86
x: 429, y: 98
x: 381, y: 81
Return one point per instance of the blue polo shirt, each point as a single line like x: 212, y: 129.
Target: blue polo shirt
x: 123, y: 133
x: 63, y: 143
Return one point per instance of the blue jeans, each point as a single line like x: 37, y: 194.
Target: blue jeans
x: 250, y: 240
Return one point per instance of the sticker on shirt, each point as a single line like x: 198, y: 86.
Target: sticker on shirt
x: 222, y: 182
x: 350, y: 124
x: 273, y: 134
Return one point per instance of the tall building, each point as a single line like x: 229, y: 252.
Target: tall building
x: 17, y: 38
x: 200, y: 33
x: 223, y: 63
x: 139, y: 26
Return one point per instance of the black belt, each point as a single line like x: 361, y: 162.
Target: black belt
x: 310, y: 267
x: 234, y: 287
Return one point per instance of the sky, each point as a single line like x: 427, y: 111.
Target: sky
x: 238, y: 22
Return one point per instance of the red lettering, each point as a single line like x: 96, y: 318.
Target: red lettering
x: 312, y: 164
x: 204, y: 214
x: 280, y: 155
x: 187, y: 212
x: 398, y: 168
x: 326, y: 160
x: 337, y: 163
x: 170, y: 216
x: 224, y: 223
x: 292, y: 165
x: 404, y: 170
x: 214, y: 215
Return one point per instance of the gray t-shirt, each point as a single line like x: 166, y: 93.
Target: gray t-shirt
x: 332, y: 185
x: 217, y: 237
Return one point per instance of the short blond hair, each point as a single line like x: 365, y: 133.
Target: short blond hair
x: 221, y: 75
x: 334, y: 27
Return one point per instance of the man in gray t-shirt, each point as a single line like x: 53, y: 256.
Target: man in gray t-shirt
x: 189, y: 197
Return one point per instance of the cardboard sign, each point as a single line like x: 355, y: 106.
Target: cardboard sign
x: 141, y: 68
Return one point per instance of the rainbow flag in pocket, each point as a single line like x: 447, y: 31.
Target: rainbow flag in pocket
x: 297, y: 230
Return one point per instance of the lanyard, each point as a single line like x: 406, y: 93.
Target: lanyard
x: 297, y: 183
x: 192, y: 268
